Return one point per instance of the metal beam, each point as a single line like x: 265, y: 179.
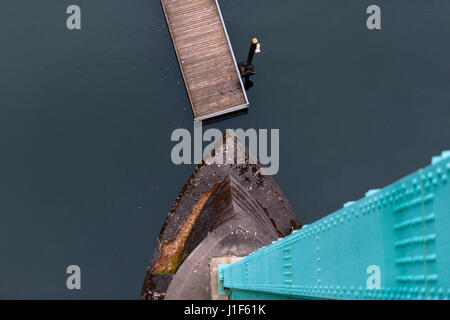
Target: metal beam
x: 392, y: 244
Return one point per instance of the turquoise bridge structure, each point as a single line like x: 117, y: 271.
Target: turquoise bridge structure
x: 392, y: 244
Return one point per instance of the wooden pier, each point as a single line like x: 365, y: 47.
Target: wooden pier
x: 205, y: 57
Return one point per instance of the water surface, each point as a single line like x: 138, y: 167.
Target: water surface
x: 86, y: 118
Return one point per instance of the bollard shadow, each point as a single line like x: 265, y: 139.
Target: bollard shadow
x: 248, y: 84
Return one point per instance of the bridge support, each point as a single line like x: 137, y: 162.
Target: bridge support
x: 392, y: 244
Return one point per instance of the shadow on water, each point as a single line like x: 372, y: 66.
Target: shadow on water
x: 248, y: 84
x: 227, y: 116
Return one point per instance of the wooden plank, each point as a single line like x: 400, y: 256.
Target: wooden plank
x: 205, y: 57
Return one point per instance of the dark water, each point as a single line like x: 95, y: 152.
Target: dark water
x: 86, y: 117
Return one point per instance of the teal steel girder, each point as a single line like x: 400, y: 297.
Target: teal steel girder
x: 402, y: 229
